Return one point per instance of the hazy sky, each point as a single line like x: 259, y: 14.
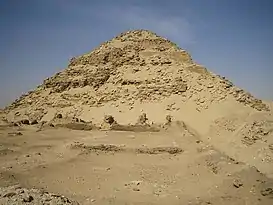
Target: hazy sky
x: 233, y: 38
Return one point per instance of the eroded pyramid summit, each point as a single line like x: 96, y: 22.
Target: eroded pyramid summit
x: 134, y: 72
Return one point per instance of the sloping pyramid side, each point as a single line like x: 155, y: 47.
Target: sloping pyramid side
x: 137, y: 71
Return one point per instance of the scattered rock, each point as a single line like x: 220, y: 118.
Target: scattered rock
x: 25, y: 122
x: 109, y: 119
x: 82, y: 121
x: 59, y: 116
x: 213, y: 166
x: 9, y: 194
x: 50, y: 125
x: 169, y: 119
x: 271, y: 147
x: 267, y: 192
x: 44, y: 125
x: 158, y: 150
x: 15, y: 133
x: 123, y: 149
x: 16, y: 124
x: 237, y: 183
x: 18, y: 195
x: 27, y: 198
x: 142, y: 119
x: 77, y: 126
x: 34, y: 122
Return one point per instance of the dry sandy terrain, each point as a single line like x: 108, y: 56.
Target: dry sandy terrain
x: 115, y: 167
x: 61, y: 140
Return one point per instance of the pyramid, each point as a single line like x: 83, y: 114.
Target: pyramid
x: 135, y: 72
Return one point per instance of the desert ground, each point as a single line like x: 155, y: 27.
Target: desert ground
x: 136, y: 121
x: 170, y: 166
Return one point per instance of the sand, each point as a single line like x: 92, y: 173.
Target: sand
x: 119, y: 167
x: 136, y: 121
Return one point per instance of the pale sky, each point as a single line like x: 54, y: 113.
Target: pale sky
x: 232, y: 38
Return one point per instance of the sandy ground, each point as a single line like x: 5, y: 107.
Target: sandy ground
x: 221, y: 154
x: 111, y: 167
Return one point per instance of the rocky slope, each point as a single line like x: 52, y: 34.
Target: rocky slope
x: 134, y: 83
x: 19, y: 196
x: 133, y: 69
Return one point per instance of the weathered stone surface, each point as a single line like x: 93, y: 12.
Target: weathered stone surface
x: 135, y: 66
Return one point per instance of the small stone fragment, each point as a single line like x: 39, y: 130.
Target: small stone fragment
x: 237, y: 183
x: 109, y: 119
x: 169, y: 119
x: 34, y: 122
x: 25, y: 122
x: 271, y: 147
x: 27, y: 198
x: 59, y: 116
x: 142, y: 119
x: 15, y: 133
x: 9, y: 194
x: 267, y: 192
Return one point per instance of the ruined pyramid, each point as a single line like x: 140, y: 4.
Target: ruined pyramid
x: 137, y: 71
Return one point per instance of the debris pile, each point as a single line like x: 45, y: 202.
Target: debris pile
x: 136, y: 66
x: 19, y: 195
